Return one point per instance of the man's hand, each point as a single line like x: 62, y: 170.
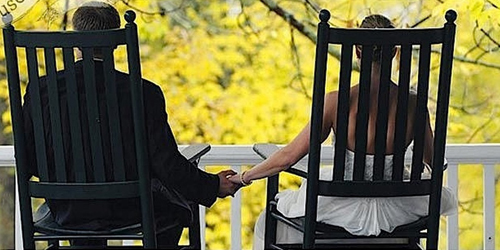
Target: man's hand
x: 236, y: 179
x: 226, y: 187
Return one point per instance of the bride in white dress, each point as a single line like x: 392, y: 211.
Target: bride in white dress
x: 359, y: 216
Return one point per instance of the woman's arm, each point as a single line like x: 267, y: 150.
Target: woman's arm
x: 294, y: 151
x: 428, y: 139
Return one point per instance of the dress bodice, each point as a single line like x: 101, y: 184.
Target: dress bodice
x: 369, y: 162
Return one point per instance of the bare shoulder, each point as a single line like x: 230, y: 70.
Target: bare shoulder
x: 332, y: 95
x: 331, y: 99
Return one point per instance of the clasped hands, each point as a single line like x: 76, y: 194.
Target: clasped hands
x: 229, y: 183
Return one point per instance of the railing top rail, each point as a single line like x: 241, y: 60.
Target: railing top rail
x: 486, y: 153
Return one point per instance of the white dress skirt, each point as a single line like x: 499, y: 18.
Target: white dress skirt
x: 358, y: 216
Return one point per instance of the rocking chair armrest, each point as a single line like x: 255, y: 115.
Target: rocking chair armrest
x: 265, y: 150
x: 195, y: 151
x: 297, y: 169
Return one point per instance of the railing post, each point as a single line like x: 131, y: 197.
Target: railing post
x: 489, y: 206
x: 203, y: 226
x: 203, y: 223
x: 18, y: 234
x: 236, y: 217
x: 452, y: 221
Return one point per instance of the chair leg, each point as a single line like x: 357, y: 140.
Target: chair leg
x: 53, y: 244
x: 271, y: 223
x: 270, y: 231
x: 414, y: 243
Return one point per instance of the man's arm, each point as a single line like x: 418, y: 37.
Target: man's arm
x: 168, y: 164
x: 28, y: 134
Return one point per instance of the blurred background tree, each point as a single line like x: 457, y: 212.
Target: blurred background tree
x: 240, y: 72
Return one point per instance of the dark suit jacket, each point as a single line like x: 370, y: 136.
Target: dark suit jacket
x: 167, y: 164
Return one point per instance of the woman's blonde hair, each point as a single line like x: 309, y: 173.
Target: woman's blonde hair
x: 372, y: 22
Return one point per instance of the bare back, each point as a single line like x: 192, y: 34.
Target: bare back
x: 373, y: 104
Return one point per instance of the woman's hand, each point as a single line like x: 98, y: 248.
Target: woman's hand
x: 235, y: 179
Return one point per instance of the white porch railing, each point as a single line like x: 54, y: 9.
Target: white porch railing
x: 242, y: 155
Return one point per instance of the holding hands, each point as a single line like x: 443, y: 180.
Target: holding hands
x: 227, y: 187
x: 240, y: 179
x: 230, y: 182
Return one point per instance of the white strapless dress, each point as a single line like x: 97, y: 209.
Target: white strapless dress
x: 359, y: 216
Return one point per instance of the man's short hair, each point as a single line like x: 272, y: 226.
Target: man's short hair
x: 96, y: 16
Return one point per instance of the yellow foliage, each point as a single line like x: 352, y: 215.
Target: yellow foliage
x: 230, y: 75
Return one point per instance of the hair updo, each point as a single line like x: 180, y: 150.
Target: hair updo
x: 372, y: 22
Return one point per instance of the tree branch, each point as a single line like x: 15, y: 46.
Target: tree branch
x: 475, y: 62
x: 127, y: 3
x: 420, y: 21
x: 311, y: 35
x: 306, y: 31
x: 481, y: 127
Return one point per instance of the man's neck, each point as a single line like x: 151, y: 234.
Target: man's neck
x: 95, y: 58
x: 79, y: 56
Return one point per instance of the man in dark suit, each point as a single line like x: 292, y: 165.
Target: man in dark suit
x: 175, y: 181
